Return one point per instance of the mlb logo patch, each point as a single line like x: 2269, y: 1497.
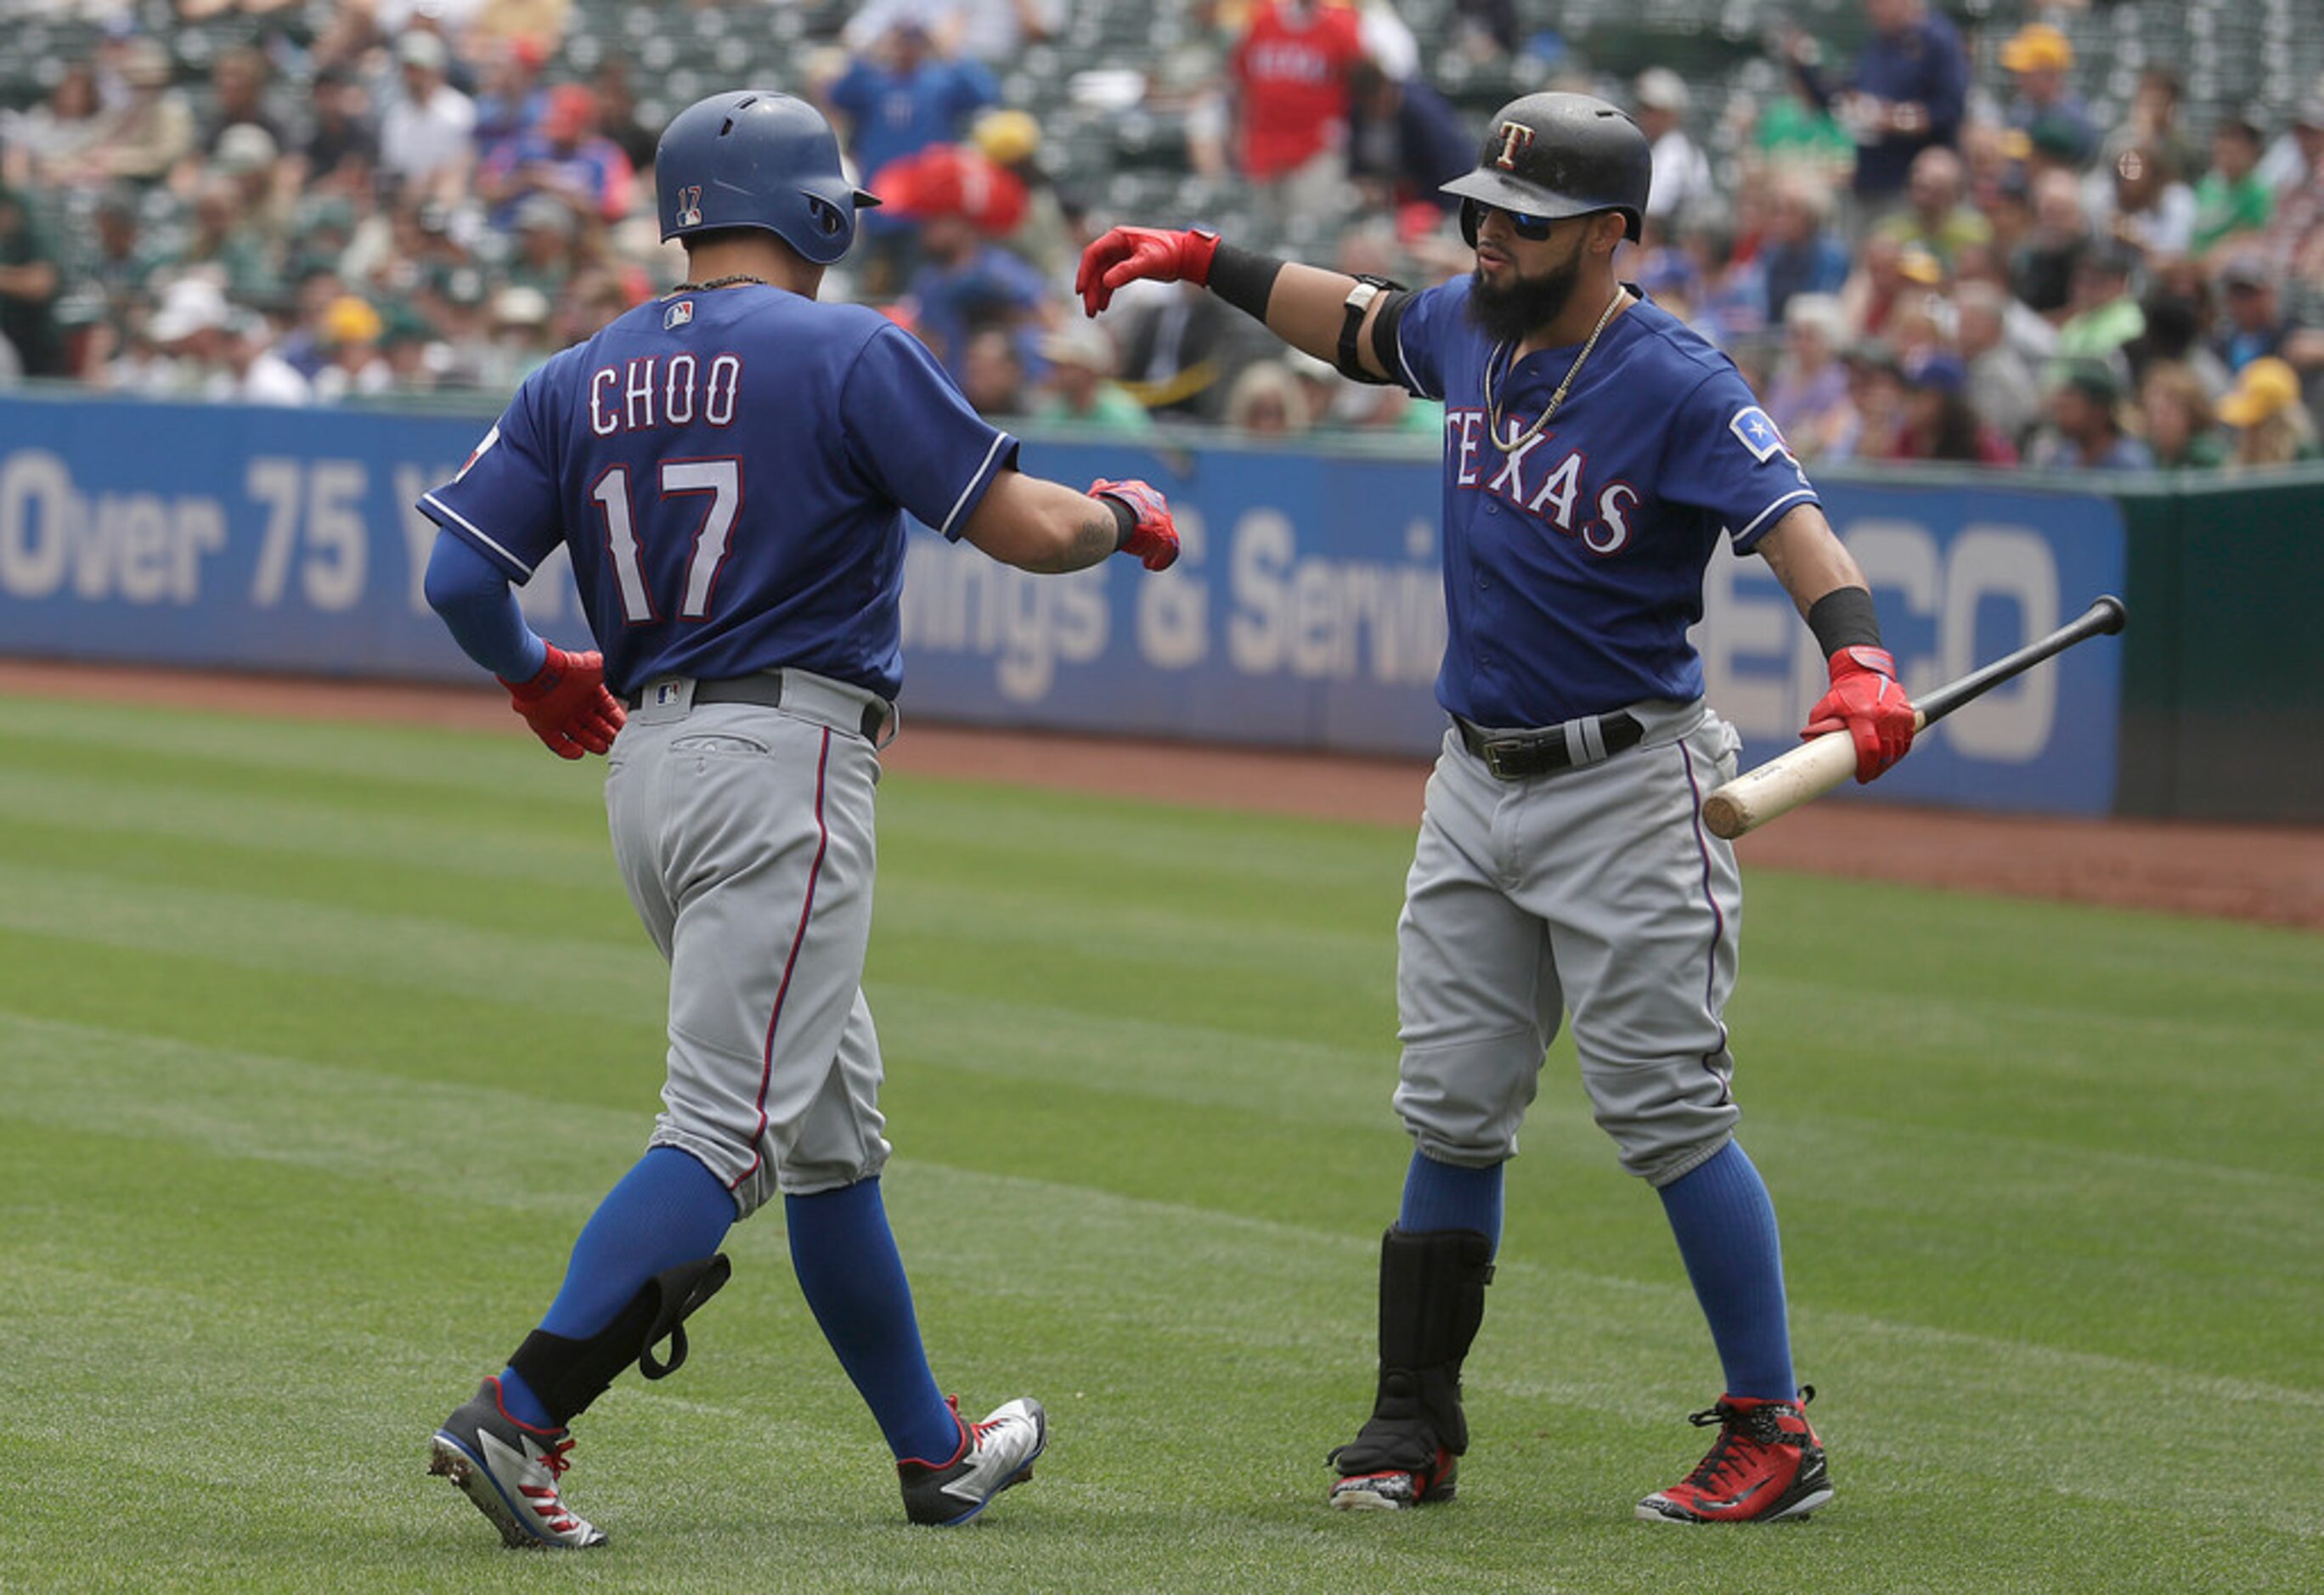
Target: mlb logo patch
x: 1759, y: 434
x: 678, y: 315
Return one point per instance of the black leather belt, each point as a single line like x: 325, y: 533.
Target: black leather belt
x: 1517, y: 755
x: 767, y: 691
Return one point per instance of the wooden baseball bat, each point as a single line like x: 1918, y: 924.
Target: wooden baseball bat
x: 1815, y: 768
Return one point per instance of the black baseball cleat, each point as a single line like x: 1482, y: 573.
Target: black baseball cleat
x: 994, y: 1455
x: 1393, y: 1489
x: 509, y: 1470
x: 1767, y: 1466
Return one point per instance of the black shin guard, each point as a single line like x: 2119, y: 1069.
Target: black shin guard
x: 567, y: 1375
x: 1432, y: 1301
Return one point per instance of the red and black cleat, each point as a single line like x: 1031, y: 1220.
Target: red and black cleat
x: 1767, y: 1466
x: 1389, y: 1489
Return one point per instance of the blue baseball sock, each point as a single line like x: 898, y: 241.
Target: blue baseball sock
x: 1725, y: 1230
x: 845, y: 1258
x: 1447, y: 1197
x: 668, y: 1210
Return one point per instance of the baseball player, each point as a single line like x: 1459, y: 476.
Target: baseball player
x: 729, y: 466
x: 1595, y: 452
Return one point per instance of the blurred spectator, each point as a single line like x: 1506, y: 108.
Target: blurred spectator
x: 2292, y: 160
x: 1934, y: 215
x: 1404, y: 140
x: 1176, y: 354
x: 1682, y: 179
x: 510, y: 98
x: 350, y: 334
x: 341, y: 151
x: 248, y: 370
x: 618, y: 117
x: 2002, y: 384
x: 154, y: 127
x: 964, y: 282
x: 993, y: 372
x: 2255, y: 324
x: 1800, y: 252
x: 1874, y: 421
x: 1807, y: 397
x: 991, y: 31
x: 239, y: 99
x: 2232, y: 199
x: 2041, y: 269
x: 2294, y: 240
x: 1291, y: 71
x: 2102, y: 316
x: 544, y: 226
x: 1266, y: 402
x: 2153, y: 123
x: 496, y: 22
x: 1485, y: 30
x: 1041, y: 236
x: 1793, y: 130
x: 29, y: 283
x: 900, y: 95
x: 1905, y: 92
x: 228, y: 241
x: 520, y: 337
x: 2177, y: 314
x: 2181, y: 428
x: 425, y: 137
x: 1080, y: 389
x: 2085, y: 430
x: 1887, y: 276
x: 1939, y: 420
x: 50, y: 144
x: 2271, y: 425
x: 2040, y: 58
x: 187, y: 329
x: 565, y: 160
x: 2139, y: 202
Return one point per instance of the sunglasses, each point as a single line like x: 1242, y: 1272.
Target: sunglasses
x: 1532, y: 228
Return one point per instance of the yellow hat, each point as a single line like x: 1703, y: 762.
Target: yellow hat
x: 1006, y: 137
x: 350, y: 320
x: 1915, y: 263
x: 2037, y: 47
x: 2265, y: 387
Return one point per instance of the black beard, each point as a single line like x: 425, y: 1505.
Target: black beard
x: 1509, y: 315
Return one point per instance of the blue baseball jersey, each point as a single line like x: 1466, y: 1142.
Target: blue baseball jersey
x: 731, y: 470
x: 1573, y: 559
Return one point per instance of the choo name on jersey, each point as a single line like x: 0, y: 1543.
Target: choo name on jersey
x: 1535, y: 476
x: 649, y: 391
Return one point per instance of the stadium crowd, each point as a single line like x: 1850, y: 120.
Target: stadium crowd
x: 1910, y: 256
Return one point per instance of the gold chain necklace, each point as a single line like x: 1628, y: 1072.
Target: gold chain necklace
x: 1492, y: 405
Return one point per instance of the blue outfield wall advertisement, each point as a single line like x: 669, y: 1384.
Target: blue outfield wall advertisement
x: 1306, y: 610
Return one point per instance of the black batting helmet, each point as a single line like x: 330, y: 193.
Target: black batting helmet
x: 1558, y: 155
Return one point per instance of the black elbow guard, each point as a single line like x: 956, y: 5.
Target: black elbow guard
x: 1384, y: 324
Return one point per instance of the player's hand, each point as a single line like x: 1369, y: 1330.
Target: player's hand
x: 1125, y: 254
x: 567, y: 704
x: 1155, y: 539
x: 1866, y: 702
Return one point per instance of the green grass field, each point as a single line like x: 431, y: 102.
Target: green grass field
x: 318, y: 1042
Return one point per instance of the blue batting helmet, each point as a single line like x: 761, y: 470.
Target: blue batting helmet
x: 755, y: 158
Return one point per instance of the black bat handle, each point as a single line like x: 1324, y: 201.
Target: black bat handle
x: 2104, y: 614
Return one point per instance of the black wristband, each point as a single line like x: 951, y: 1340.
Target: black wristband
x: 1844, y: 617
x: 1125, y: 521
x: 1244, y: 279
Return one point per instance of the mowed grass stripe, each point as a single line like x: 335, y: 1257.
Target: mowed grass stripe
x: 1228, y: 1292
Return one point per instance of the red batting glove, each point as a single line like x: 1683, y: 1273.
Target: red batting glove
x: 1866, y: 702
x: 567, y: 704
x: 1155, y: 537
x: 1127, y: 254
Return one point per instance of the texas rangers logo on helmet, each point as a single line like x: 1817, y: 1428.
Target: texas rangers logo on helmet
x: 689, y: 207
x: 1515, y: 136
